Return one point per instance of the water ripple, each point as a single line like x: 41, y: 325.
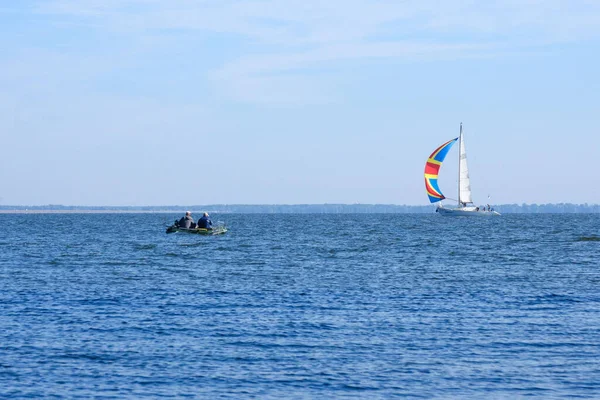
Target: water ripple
x: 414, y: 306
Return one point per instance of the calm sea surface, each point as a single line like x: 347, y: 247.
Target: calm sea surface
x: 371, y: 306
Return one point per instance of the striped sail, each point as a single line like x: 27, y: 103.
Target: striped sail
x: 432, y: 169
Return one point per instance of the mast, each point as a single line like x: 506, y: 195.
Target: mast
x: 459, y: 147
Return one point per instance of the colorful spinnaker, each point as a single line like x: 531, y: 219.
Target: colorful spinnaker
x: 432, y: 169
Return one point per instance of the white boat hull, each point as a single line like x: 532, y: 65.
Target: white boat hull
x: 466, y: 212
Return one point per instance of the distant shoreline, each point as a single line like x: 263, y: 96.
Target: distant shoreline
x: 34, y: 211
x: 559, y: 208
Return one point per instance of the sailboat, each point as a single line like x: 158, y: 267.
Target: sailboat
x: 465, y: 207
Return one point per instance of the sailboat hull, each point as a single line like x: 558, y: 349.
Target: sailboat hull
x: 465, y: 212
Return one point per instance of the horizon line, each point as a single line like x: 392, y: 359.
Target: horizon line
x: 4, y: 206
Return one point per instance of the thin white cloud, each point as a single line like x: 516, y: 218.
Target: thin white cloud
x: 288, y: 36
x: 337, y: 20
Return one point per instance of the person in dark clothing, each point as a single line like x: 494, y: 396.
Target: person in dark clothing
x: 205, y: 222
x: 187, y: 221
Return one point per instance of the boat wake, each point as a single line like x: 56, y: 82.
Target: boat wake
x: 588, y: 239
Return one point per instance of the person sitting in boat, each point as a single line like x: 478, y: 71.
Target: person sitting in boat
x: 205, y: 222
x: 187, y: 221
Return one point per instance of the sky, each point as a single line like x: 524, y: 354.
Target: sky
x: 166, y: 102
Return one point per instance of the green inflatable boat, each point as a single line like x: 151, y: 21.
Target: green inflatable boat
x: 215, y: 230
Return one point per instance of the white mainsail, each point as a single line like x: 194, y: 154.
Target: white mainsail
x: 464, y: 184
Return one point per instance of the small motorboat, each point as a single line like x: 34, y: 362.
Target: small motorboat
x: 215, y: 230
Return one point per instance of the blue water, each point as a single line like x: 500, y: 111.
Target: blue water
x: 300, y: 306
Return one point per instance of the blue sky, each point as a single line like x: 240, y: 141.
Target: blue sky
x: 126, y: 102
